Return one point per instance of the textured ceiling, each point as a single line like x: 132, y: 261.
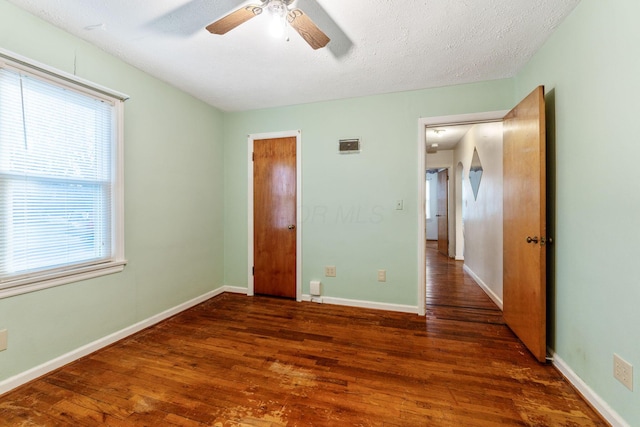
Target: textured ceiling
x: 377, y: 46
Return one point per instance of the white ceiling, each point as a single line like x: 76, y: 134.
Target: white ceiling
x: 446, y: 137
x: 378, y: 46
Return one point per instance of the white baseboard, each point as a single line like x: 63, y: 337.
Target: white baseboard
x: 58, y: 362
x: 312, y: 298
x: 590, y: 396
x: 235, y: 290
x: 487, y: 290
x: 362, y: 304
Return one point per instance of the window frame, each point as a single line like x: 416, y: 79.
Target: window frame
x: 63, y: 275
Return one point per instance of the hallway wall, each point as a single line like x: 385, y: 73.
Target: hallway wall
x: 482, y: 217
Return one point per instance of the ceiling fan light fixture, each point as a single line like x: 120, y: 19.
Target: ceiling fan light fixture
x: 282, y: 18
x: 278, y: 18
x: 277, y: 27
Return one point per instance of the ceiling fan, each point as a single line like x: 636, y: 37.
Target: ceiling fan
x: 280, y: 14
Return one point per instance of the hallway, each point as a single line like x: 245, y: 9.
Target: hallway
x: 454, y: 295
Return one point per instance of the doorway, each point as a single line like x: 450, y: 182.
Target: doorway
x: 434, y: 123
x: 475, y: 221
x: 274, y: 214
x: 437, y: 209
x: 443, y: 212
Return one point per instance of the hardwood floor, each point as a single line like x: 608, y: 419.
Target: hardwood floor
x: 453, y: 295
x: 256, y: 361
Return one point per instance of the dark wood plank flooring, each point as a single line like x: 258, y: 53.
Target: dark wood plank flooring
x: 452, y: 294
x: 256, y: 361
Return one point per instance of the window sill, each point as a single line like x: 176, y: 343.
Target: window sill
x: 46, y: 281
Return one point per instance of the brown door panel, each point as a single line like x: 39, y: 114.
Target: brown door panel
x: 524, y: 278
x: 274, y: 216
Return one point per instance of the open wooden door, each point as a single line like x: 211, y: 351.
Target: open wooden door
x: 443, y: 212
x: 524, y: 278
x: 274, y: 216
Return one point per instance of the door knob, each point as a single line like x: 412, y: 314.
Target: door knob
x: 532, y: 239
x: 291, y: 227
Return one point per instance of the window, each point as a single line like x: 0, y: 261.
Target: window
x: 60, y: 179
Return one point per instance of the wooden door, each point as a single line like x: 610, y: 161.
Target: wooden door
x: 443, y: 212
x: 524, y: 278
x: 274, y: 217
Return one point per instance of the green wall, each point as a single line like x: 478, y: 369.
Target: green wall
x: 591, y: 70
x: 349, y: 216
x: 173, y: 206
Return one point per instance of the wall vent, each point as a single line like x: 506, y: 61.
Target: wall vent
x: 349, y: 146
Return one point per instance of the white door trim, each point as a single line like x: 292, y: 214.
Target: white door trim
x: 423, y: 122
x: 285, y: 134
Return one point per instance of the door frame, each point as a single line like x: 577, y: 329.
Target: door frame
x: 423, y: 122
x: 270, y: 135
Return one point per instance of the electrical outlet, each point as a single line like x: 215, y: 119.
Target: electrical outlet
x: 3, y: 339
x: 330, y: 271
x: 623, y: 371
x: 382, y: 275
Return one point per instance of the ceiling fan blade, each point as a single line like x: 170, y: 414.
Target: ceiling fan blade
x: 340, y: 44
x: 307, y: 29
x: 235, y: 18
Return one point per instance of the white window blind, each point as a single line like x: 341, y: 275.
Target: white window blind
x: 57, y: 177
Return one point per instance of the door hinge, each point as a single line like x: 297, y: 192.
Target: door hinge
x: 253, y: 271
x: 253, y: 157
